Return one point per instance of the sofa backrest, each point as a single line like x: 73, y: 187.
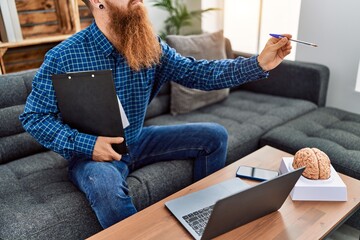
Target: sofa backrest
x: 302, y: 80
x: 14, y: 141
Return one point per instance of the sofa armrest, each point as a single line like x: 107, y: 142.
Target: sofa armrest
x: 294, y: 79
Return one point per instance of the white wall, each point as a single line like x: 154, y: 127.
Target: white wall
x: 357, y: 88
x: 212, y: 21
x: 156, y: 16
x: 241, y: 23
x: 335, y: 26
x: 280, y: 16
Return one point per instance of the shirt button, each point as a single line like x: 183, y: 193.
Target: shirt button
x: 71, y: 139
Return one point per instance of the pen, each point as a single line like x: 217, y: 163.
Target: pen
x: 298, y: 41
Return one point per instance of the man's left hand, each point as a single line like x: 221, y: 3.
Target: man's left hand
x: 274, y: 52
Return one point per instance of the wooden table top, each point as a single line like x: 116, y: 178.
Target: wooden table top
x: 294, y: 220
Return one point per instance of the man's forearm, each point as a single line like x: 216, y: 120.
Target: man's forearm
x: 209, y: 75
x: 52, y: 134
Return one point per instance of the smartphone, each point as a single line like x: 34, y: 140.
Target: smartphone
x: 254, y: 173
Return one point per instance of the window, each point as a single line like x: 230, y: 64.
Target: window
x: 357, y: 87
x: 280, y: 16
x: 247, y: 23
x: 212, y: 21
x: 241, y: 24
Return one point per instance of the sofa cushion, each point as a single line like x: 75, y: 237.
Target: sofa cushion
x: 334, y: 131
x: 295, y: 79
x: 38, y: 202
x: 208, y: 46
x: 160, y: 104
x: 14, y: 142
x: 147, y: 185
x: 15, y: 87
x: 245, y: 115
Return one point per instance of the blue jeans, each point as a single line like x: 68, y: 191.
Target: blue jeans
x: 104, y: 183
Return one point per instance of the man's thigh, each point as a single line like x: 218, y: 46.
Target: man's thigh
x: 175, y: 142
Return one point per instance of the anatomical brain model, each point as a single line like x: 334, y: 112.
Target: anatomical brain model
x: 317, y: 163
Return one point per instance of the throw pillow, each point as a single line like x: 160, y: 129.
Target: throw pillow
x: 210, y: 46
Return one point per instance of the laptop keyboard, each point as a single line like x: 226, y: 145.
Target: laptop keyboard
x: 198, y: 219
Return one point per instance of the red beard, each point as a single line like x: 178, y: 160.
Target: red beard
x: 135, y: 38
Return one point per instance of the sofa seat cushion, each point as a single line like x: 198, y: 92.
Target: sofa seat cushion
x: 246, y: 116
x: 334, y: 131
x: 147, y: 185
x: 37, y: 200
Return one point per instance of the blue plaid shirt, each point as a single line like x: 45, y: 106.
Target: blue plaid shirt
x: 90, y: 50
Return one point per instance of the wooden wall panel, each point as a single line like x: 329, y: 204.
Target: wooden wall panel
x: 45, y: 17
x: 66, y: 23
x: 81, y: 3
x: 37, y: 18
x: 32, y: 5
x: 42, y: 30
x: 41, y: 19
x: 85, y: 15
x: 23, y: 58
x: 84, y: 12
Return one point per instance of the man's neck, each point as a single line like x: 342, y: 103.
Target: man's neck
x: 102, y: 23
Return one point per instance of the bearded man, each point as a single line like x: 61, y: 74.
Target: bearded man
x: 121, y: 38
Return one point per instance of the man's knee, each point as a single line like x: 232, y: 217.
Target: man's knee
x: 106, y: 190
x: 102, y: 180
x: 217, y: 132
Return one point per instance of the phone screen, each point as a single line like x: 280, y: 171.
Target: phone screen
x: 254, y: 173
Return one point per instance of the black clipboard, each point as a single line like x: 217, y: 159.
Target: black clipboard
x: 88, y: 103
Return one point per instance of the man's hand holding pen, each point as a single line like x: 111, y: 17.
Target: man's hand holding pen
x: 275, y: 50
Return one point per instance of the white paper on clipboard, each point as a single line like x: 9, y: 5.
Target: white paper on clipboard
x: 124, y: 119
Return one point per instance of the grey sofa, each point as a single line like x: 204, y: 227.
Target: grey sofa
x: 37, y: 201
x: 332, y: 130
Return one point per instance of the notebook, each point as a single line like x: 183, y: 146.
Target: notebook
x: 227, y: 205
x: 88, y: 103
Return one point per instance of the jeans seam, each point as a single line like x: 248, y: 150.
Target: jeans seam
x: 123, y: 171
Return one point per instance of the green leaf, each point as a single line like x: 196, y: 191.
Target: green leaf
x: 179, y: 15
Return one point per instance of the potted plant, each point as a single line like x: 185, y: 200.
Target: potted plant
x: 179, y: 15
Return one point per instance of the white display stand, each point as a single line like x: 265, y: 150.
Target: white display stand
x: 332, y: 189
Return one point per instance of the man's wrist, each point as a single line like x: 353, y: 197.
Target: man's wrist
x: 84, y: 144
x: 261, y: 64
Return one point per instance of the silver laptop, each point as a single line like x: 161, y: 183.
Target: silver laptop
x: 222, y: 207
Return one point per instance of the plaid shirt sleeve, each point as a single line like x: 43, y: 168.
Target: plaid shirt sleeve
x: 42, y: 120
x: 208, y: 75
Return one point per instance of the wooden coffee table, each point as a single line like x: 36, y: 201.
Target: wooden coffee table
x: 294, y: 220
